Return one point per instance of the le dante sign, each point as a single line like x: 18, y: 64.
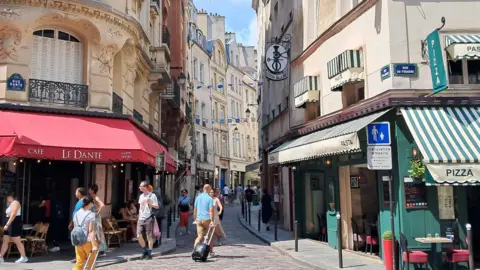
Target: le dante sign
x: 78, y: 154
x: 277, y: 61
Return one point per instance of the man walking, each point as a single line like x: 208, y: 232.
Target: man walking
x: 226, y: 192
x: 204, y: 216
x: 146, y: 219
x: 80, y: 194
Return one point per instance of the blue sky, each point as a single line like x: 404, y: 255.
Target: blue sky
x: 239, y: 16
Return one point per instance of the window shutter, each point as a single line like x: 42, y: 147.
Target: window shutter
x: 62, y: 64
x: 36, y: 64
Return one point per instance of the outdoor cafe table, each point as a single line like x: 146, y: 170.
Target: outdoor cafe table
x: 434, y: 241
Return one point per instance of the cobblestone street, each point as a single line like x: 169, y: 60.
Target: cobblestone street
x: 242, y: 250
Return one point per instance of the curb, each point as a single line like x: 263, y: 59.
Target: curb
x: 266, y: 241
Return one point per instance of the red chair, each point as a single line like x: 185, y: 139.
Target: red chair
x: 455, y: 256
x: 412, y: 257
x: 370, y: 240
x: 358, y: 239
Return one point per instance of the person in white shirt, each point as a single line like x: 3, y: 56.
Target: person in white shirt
x: 226, y: 193
x: 13, y: 228
x: 146, y: 219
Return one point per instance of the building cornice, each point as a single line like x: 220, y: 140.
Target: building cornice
x: 336, y: 28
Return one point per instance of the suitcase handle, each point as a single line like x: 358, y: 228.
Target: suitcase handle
x: 208, y: 232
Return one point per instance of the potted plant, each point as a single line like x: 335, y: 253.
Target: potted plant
x: 417, y: 170
x: 387, y: 239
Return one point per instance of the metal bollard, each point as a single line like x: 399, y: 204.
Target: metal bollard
x: 259, y: 218
x: 249, y: 214
x: 296, y: 235
x: 246, y: 211
x: 174, y: 212
x: 339, y: 241
x: 161, y: 232
x: 471, y: 261
x: 243, y: 207
x: 276, y: 225
x: 169, y: 222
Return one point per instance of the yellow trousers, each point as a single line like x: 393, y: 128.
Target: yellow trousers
x: 82, y: 253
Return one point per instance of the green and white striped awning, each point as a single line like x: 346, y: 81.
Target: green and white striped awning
x: 345, y: 68
x: 449, y: 140
x: 306, y: 90
x: 463, y: 46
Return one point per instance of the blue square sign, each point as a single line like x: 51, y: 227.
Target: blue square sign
x: 378, y: 133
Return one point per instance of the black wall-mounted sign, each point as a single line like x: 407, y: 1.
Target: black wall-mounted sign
x: 385, y: 190
x: 415, y: 193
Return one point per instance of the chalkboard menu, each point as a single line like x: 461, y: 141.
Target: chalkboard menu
x: 386, y: 189
x: 7, y: 183
x: 415, y: 193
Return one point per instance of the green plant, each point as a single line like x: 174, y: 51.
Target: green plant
x: 387, y: 235
x: 417, y: 169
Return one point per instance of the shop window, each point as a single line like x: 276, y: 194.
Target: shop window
x: 464, y: 72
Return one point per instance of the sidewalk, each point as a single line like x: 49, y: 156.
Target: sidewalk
x: 314, y: 254
x: 128, y: 252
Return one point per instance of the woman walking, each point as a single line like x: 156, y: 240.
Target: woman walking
x: 267, y: 208
x: 184, y: 207
x: 85, y: 218
x: 219, y: 196
x: 13, y: 229
x: 97, y: 208
x: 218, y: 209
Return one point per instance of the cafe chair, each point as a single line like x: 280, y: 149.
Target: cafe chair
x: 322, y: 228
x: 370, y: 240
x: 410, y: 256
x: 357, y: 237
x: 455, y: 256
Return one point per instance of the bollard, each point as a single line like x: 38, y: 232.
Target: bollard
x: 246, y: 211
x: 249, y: 214
x: 169, y: 222
x: 276, y: 225
x: 471, y: 261
x: 296, y: 235
x: 259, y: 218
x: 339, y: 241
x: 243, y: 207
x: 161, y: 232
x: 174, y: 212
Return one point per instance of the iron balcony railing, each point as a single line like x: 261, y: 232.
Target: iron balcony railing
x: 175, y: 102
x: 150, y: 127
x: 166, y: 36
x: 61, y: 93
x: 167, y: 93
x: 138, y: 116
x: 117, y: 104
x: 188, y: 112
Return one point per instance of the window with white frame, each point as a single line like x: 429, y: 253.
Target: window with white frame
x: 197, y: 110
x: 222, y: 112
x: 195, y: 68
x: 232, y: 109
x: 202, y: 73
x: 203, y: 114
x: 235, y: 85
x: 465, y: 71
x: 232, y: 85
x: 197, y: 138
x: 242, y: 152
x: 234, y: 144
x: 224, y: 145
x: 56, y: 56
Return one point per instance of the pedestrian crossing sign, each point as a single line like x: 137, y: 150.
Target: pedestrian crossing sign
x: 378, y: 133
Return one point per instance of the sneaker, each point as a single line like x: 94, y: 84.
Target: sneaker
x: 212, y: 255
x: 54, y: 249
x: 144, y: 255
x: 148, y: 257
x: 180, y: 234
x: 2, y: 260
x: 74, y: 261
x: 22, y: 260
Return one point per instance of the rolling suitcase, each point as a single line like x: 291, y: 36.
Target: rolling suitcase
x: 85, y: 267
x: 202, y: 250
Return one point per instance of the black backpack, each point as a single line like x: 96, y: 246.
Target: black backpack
x: 160, y: 211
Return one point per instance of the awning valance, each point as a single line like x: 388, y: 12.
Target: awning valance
x: 345, y: 68
x: 77, y: 138
x: 253, y: 166
x: 340, y: 139
x: 463, y: 46
x: 449, y: 140
x: 306, y: 90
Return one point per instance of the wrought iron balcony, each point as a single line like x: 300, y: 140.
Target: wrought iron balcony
x: 166, y: 36
x: 117, y: 104
x: 138, y: 116
x: 175, y: 102
x: 150, y: 127
x: 61, y: 93
x: 188, y: 112
x: 167, y: 93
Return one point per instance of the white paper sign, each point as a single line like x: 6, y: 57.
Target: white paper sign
x: 379, y: 157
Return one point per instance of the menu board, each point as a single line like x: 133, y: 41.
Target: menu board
x: 7, y: 183
x: 446, y: 202
x: 415, y: 193
x: 386, y: 190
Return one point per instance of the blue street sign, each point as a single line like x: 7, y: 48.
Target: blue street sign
x: 16, y: 82
x: 405, y: 70
x: 385, y: 72
x: 378, y: 133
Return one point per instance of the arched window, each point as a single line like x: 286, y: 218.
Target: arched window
x: 56, y: 56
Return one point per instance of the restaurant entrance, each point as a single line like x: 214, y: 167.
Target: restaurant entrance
x: 473, y: 204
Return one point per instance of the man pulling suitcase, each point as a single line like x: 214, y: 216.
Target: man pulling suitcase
x: 204, y: 217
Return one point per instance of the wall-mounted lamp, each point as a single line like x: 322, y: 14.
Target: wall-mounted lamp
x: 21, y: 160
x: 414, y: 153
x: 181, y: 79
x: 247, y: 112
x: 294, y: 168
x: 328, y: 162
x: 38, y: 161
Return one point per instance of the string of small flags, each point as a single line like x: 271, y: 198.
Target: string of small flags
x: 221, y: 85
x: 224, y: 121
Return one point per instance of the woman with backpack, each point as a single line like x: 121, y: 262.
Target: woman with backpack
x: 184, y: 207
x: 83, y: 235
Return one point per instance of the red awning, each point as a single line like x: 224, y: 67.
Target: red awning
x: 76, y: 138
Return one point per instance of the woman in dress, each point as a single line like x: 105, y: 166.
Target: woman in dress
x: 184, y: 207
x: 218, y: 209
x: 267, y: 208
x: 97, y: 208
x: 13, y: 229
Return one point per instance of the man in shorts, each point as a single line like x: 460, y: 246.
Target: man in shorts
x: 147, y: 201
x: 203, y: 214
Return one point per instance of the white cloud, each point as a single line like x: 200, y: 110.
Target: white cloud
x: 248, y: 36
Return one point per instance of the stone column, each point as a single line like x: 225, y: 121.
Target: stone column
x: 101, y: 73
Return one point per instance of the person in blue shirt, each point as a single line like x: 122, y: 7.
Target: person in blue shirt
x: 184, y: 207
x: 80, y: 194
x: 203, y: 214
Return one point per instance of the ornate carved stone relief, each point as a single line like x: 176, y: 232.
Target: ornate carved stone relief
x: 114, y: 33
x: 10, y: 41
x: 105, y: 57
x: 11, y: 14
x: 129, y: 73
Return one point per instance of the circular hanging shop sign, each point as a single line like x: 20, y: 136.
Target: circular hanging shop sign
x: 277, y: 61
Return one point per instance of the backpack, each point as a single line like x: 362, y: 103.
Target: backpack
x: 77, y: 235
x: 160, y: 211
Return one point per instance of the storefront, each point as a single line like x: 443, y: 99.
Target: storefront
x: 46, y: 155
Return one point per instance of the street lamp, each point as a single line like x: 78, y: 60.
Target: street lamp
x: 181, y: 79
x: 247, y: 113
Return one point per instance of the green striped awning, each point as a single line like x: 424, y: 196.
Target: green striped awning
x: 449, y: 140
x: 463, y: 46
x: 344, y: 61
x: 306, y: 90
